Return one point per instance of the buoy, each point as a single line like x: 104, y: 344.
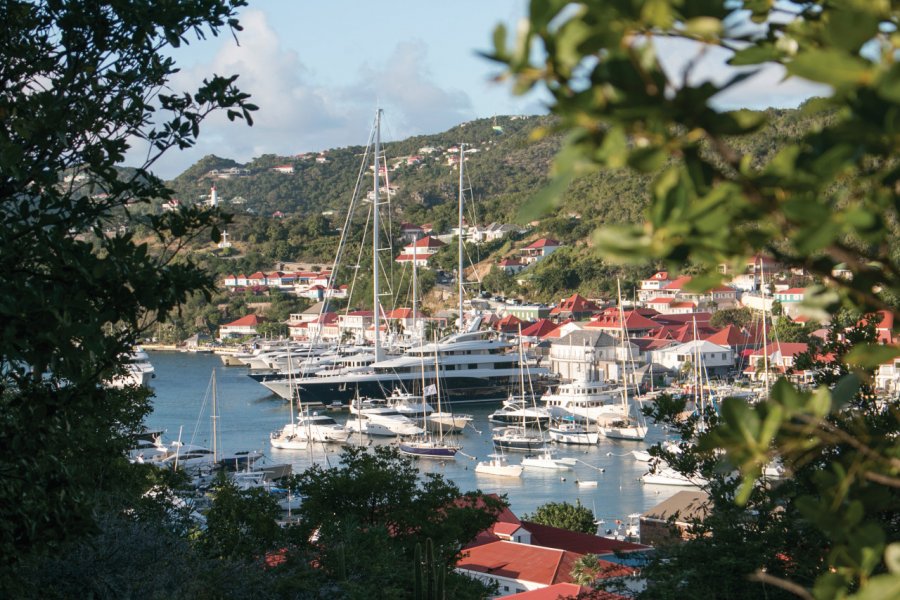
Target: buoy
x: 562, y: 478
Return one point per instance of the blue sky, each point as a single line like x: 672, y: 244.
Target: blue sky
x: 318, y: 70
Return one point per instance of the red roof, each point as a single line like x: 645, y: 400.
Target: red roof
x: 526, y: 562
x: 575, y: 304
x: 793, y: 291
x: 519, y: 561
x: 730, y: 336
x: 633, y: 321
x: 247, y: 321
x: 508, y: 323
x: 575, y: 541
x: 539, y: 328
x: 411, y: 257
x: 679, y: 283
x: 660, y: 276
x: 544, y: 243
x: 428, y: 242
x: 559, y: 591
x: 258, y: 275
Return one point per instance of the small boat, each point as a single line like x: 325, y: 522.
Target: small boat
x: 662, y: 474
x: 517, y: 439
x: 586, y: 483
x: 429, y: 447
x: 568, y: 431
x: 516, y: 411
x: 382, y: 421
x: 498, y: 465
x: 546, y: 460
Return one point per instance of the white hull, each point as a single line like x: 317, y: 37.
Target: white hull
x: 498, y: 467
x: 546, y: 461
x: 576, y: 434
x: 635, y: 433
x: 668, y: 476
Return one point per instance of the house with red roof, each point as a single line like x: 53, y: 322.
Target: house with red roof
x: 714, y: 358
x: 258, y: 279
x: 511, y: 266
x: 324, y: 327
x: 564, y: 591
x: 650, y: 287
x: 509, y: 324
x: 246, y: 325
x: 781, y: 357
x: 674, y: 296
x: 574, y: 307
x: 410, y: 232
x: 539, y: 250
x: 535, y: 332
x: 285, y: 169
x: 420, y: 250
x: 517, y: 568
x: 610, y: 321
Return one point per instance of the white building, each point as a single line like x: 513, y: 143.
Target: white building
x: 713, y: 357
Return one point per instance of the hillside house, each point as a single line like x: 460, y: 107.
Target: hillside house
x: 715, y: 359
x: 539, y: 250
x: 574, y: 307
x: 246, y: 325
x: 583, y: 355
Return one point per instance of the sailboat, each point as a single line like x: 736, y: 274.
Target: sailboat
x: 429, y: 446
x: 629, y: 427
x: 289, y: 438
x: 519, y: 437
x: 194, y: 457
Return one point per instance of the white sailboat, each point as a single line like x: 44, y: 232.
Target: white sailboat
x: 520, y: 438
x: 427, y: 445
x: 630, y: 427
x: 289, y: 437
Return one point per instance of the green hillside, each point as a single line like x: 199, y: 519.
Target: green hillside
x: 505, y: 170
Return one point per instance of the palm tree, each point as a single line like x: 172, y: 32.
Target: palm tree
x: 586, y: 569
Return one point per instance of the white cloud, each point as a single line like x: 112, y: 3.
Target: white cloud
x: 297, y: 113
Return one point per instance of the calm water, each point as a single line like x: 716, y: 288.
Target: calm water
x: 248, y: 413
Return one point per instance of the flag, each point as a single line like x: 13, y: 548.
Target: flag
x: 430, y: 390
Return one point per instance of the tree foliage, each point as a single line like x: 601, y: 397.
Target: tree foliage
x: 376, y: 499
x: 81, y: 81
x: 824, y: 197
x: 564, y: 515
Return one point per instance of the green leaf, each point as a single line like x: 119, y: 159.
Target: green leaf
x: 648, y: 159
x: 754, y: 55
x: 870, y: 356
x: 844, y: 391
x: 850, y: 29
x: 879, y: 587
x: 832, y: 67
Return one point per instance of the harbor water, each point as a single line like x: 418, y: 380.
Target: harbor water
x: 248, y: 412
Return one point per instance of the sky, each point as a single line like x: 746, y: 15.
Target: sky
x: 318, y: 70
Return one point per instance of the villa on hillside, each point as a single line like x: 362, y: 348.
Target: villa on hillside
x: 539, y: 250
x: 246, y: 325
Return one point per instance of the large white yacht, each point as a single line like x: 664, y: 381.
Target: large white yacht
x: 136, y: 371
x: 474, y: 367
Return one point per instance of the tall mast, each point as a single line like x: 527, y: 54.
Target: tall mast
x: 623, y: 335
x: 762, y: 284
x: 375, y: 225
x: 215, y: 418
x: 459, y: 269
x: 415, y: 304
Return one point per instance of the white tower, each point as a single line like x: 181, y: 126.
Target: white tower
x: 213, y: 197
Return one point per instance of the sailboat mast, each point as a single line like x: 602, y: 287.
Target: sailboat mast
x: 376, y: 305
x: 459, y: 268
x: 415, y: 297
x: 762, y: 285
x: 622, y: 348
x: 215, y: 418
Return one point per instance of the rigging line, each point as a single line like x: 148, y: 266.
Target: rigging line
x: 206, y: 397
